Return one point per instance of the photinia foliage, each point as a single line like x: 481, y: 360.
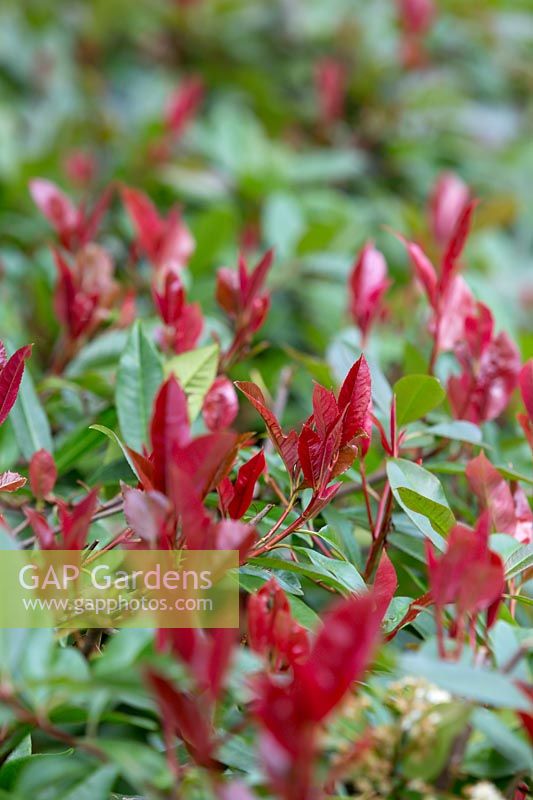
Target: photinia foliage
x: 237, y: 348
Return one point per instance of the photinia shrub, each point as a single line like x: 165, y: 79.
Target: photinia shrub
x: 384, y: 550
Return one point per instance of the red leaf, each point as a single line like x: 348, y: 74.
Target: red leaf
x: 89, y: 224
x: 468, y: 574
x: 272, y: 631
x: 11, y: 481
x: 183, y: 105
x: 43, y: 474
x: 221, y: 404
x: 339, y: 656
x: 10, y: 378
x: 181, y: 714
x: 149, y: 226
x: 169, y: 428
x: 493, y: 493
x: 368, y: 283
x: 354, y: 400
x: 76, y: 520
x: 208, y: 459
x: 325, y: 410
x: 243, y: 488
x: 385, y: 584
x: 457, y: 242
x: 41, y: 529
x: 287, y: 446
x: 257, y: 278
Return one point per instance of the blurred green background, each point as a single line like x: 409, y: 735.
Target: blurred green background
x: 96, y: 75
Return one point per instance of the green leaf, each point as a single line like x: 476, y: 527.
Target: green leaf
x: 440, y: 516
x: 283, y: 223
x: 196, y: 371
x: 80, y: 441
x: 520, y: 560
x: 139, y: 375
x: 29, y: 421
x: 476, y: 684
x: 340, y: 575
x: 404, y: 474
x: 142, y: 766
x: 416, y: 395
x: 96, y: 786
x: 512, y: 747
x: 104, y: 351
x: 459, y: 430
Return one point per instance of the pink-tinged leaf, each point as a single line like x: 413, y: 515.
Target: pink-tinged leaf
x: 41, y: 528
x: 525, y: 381
x: 448, y: 201
x: 354, y: 400
x: 43, y: 474
x: 457, y: 305
x: 368, y: 283
x: 150, y: 516
x: 169, y: 428
x: 10, y: 378
x: 493, y: 493
x: 58, y: 209
x: 11, y: 481
x: 339, y: 656
x: 177, y: 243
x: 75, y: 521
x: 330, y: 83
x: 457, y: 242
x: 244, y: 486
x: 485, y: 386
x: 417, y: 15
x: 424, y: 271
x: 149, y: 226
x: 234, y: 790
x: 183, y: 105
x: 524, y: 516
x: 231, y: 534
x: 287, y: 446
x: 3, y: 356
x: 385, y: 584
x: 221, y: 405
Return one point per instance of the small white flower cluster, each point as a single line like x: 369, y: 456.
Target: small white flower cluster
x: 484, y: 791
